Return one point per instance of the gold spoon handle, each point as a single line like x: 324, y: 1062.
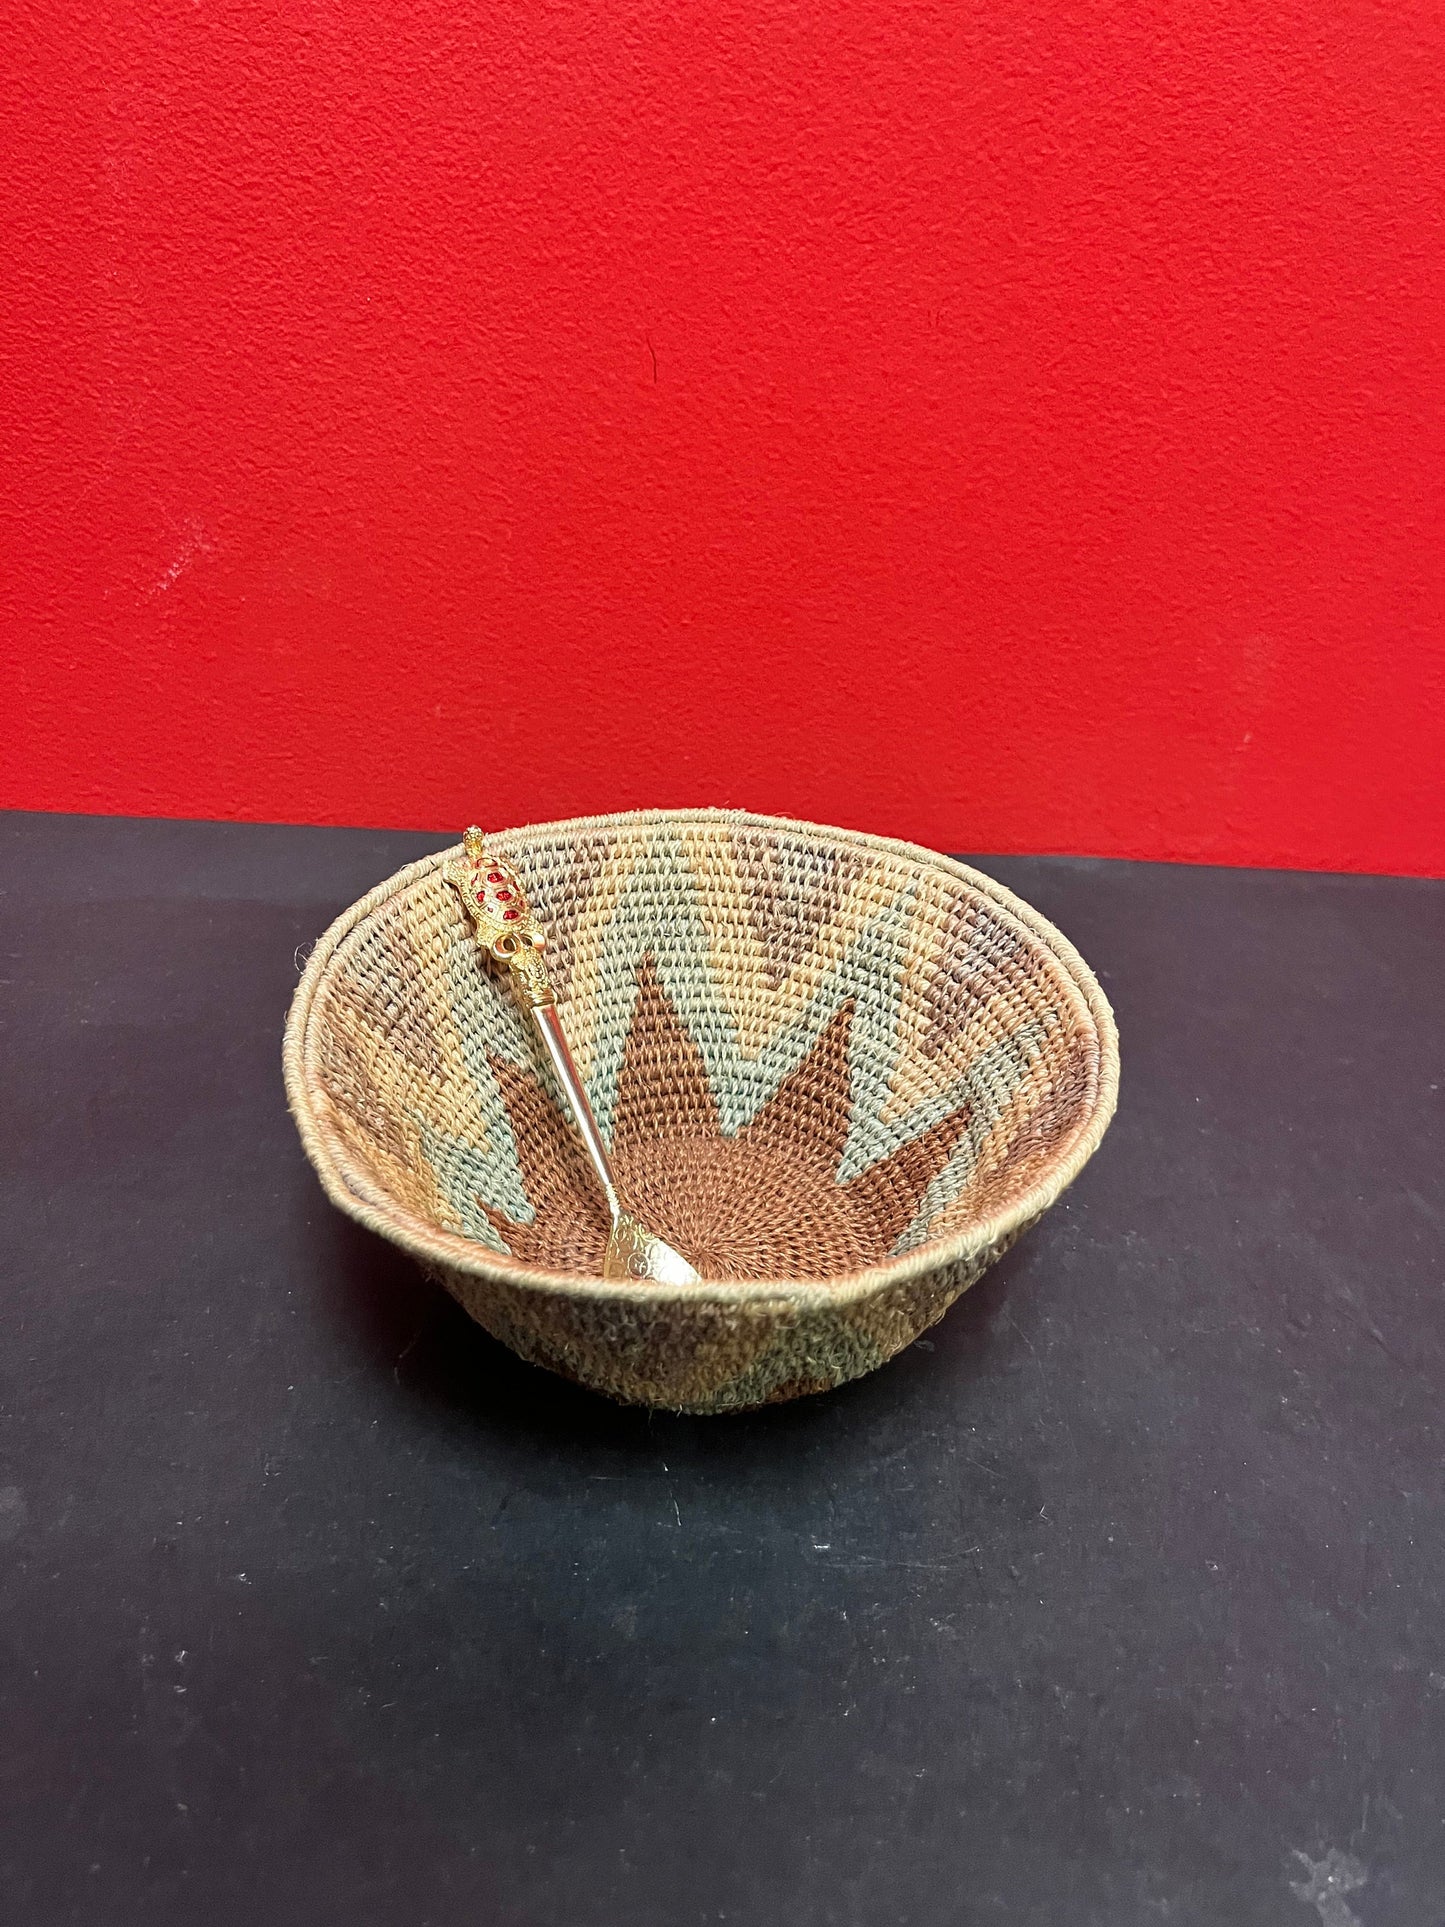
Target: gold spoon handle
x: 506, y: 929
x: 549, y: 1028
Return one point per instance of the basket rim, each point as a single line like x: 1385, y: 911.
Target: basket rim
x: 352, y: 1192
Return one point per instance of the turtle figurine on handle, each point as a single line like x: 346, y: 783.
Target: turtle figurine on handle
x: 502, y: 919
x: 506, y: 930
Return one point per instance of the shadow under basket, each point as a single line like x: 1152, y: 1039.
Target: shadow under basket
x: 841, y: 1074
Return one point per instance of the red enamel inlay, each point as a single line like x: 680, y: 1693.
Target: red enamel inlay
x: 508, y: 915
x: 504, y: 896
x: 495, y: 876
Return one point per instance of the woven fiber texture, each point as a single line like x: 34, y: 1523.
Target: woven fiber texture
x: 840, y: 1073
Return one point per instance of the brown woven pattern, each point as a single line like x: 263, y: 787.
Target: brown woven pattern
x: 839, y: 1073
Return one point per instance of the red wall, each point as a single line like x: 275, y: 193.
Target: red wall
x: 1015, y: 426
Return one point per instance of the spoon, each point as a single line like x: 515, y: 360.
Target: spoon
x: 506, y: 930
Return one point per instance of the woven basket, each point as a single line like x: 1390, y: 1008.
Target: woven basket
x: 841, y: 1074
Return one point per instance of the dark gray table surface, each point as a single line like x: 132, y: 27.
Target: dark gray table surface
x: 1119, y: 1599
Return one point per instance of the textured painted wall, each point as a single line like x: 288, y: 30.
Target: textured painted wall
x: 1011, y: 426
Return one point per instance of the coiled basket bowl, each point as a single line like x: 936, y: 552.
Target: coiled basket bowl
x: 840, y: 1073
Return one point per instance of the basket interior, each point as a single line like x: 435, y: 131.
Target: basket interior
x: 808, y: 1053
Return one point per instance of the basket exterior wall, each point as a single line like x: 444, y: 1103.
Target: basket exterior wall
x: 727, y: 1357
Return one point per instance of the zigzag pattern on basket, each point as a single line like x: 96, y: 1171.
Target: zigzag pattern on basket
x: 793, y: 1015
